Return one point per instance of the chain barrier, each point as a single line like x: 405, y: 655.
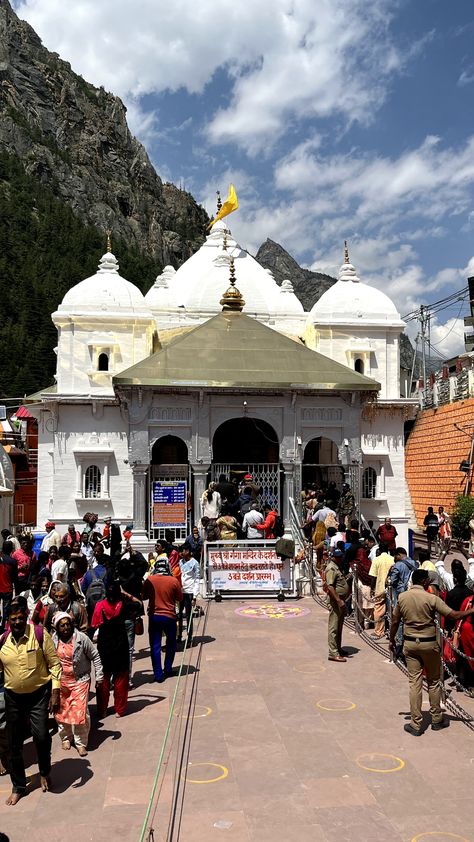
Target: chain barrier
x: 354, y: 623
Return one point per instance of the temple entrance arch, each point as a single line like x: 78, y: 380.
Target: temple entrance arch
x: 248, y: 446
x: 321, y: 464
x: 170, y: 469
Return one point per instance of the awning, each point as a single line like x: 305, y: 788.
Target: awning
x: 22, y: 413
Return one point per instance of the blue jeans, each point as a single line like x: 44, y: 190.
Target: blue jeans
x: 130, y: 629
x: 158, y: 625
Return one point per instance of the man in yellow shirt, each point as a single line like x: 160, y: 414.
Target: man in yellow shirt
x: 32, y: 673
x: 379, y: 570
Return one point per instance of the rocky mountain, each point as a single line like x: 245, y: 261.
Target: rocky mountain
x: 74, y: 138
x: 309, y: 286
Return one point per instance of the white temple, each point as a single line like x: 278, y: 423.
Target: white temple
x: 167, y: 385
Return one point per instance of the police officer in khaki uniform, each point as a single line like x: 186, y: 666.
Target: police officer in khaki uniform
x: 417, y: 608
x: 338, y: 590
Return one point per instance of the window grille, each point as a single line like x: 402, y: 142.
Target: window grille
x: 92, y: 482
x: 369, y: 483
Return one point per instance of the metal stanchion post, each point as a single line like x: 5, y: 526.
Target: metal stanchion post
x: 389, y: 613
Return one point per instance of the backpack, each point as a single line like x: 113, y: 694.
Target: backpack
x: 279, y: 528
x: 95, y: 592
x: 245, y: 508
x: 39, y: 634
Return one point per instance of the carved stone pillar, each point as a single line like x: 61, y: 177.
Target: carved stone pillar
x: 140, y: 501
x: 288, y: 489
x: 200, y: 483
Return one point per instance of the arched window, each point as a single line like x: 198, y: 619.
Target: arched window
x: 103, y: 362
x: 369, y: 483
x: 359, y: 365
x: 92, y: 482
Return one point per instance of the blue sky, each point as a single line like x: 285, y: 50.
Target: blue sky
x: 336, y: 119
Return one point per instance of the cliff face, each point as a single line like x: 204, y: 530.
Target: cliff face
x: 309, y: 286
x: 74, y: 138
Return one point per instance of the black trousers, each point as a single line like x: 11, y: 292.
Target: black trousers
x: 186, y: 606
x: 19, y: 709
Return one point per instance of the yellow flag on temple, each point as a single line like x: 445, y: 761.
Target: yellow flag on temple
x: 230, y: 205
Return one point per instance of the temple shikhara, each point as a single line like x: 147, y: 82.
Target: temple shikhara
x: 218, y: 369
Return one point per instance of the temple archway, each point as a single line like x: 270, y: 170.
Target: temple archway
x: 169, y: 450
x: 170, y: 479
x: 246, y: 445
x: 321, y: 464
x: 245, y: 440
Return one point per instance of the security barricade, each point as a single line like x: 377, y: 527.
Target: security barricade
x: 247, y: 568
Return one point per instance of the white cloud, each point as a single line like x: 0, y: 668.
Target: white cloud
x: 285, y: 59
x: 466, y: 77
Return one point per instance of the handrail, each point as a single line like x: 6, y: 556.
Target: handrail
x: 295, y: 523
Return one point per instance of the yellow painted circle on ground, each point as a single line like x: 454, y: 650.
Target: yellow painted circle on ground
x: 206, y: 712
x: 309, y: 669
x: 335, y: 704
x: 223, y: 769
x: 440, y: 835
x: 398, y: 763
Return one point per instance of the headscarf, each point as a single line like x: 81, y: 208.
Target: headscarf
x: 60, y: 615
x: 162, y: 567
x: 50, y: 523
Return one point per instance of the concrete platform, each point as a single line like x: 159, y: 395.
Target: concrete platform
x: 284, y: 746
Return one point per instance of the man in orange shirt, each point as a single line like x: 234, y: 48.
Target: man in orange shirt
x: 163, y: 591
x: 268, y: 525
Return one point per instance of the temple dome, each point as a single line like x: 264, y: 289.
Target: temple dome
x: 199, y: 283
x: 160, y: 297
x: 287, y: 302
x: 351, y: 302
x: 105, y: 292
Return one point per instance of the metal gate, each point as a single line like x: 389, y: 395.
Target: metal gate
x: 170, y: 473
x: 264, y: 474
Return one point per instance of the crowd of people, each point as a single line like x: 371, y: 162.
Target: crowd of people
x: 67, y: 615
x: 232, y: 511
x: 364, y: 573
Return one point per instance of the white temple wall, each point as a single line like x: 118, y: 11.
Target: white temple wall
x: 88, y: 434
x: 80, y: 343
x: 383, y: 449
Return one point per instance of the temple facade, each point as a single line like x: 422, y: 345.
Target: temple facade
x: 218, y: 369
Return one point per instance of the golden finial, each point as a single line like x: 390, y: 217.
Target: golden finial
x: 219, y: 203
x: 232, y: 300
x: 109, y: 240
x: 346, y: 252
x: 224, y: 245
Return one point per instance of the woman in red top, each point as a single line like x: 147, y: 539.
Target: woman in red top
x: 268, y: 525
x: 466, y: 668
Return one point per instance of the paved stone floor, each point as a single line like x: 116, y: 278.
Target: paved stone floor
x: 284, y: 746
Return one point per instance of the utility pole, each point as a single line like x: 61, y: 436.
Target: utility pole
x: 424, y: 319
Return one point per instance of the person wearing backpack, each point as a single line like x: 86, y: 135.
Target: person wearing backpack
x: 64, y: 600
x: 32, y: 672
x: 94, y: 585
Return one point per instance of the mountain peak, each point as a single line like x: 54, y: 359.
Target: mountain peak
x: 308, y: 286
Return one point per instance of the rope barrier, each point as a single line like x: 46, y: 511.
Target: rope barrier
x: 171, y: 719
x: 450, y: 703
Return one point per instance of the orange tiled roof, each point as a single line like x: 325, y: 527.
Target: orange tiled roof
x: 433, y: 453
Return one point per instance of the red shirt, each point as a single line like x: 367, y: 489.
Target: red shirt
x: 163, y: 592
x: 386, y: 534
x: 8, y: 573
x: 268, y: 525
x: 24, y: 562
